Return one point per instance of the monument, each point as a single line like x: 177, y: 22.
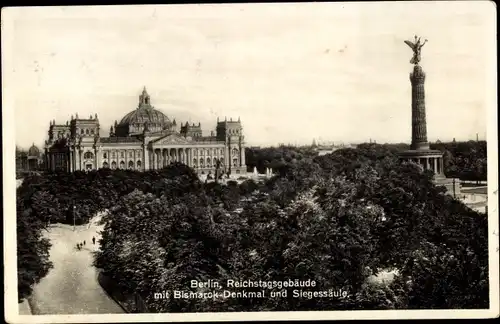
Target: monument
x: 420, y: 151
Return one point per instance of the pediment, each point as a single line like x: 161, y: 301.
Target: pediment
x: 171, y: 139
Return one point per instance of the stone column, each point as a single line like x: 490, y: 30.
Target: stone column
x: 134, y: 159
x: 418, y: 118
x: 80, y: 158
x: 74, y: 156
x: 97, y: 158
x: 227, y: 159
x: 435, y: 165
x: 70, y: 161
x: 155, y: 160
x: 145, y: 158
x: 242, y: 156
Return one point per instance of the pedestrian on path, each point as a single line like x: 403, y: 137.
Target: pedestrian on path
x: 93, y: 240
x: 83, y: 242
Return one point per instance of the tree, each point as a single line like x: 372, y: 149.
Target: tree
x: 32, y: 252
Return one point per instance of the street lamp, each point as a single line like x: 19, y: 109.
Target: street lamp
x: 74, y: 211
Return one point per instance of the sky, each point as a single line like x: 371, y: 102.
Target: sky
x: 292, y: 72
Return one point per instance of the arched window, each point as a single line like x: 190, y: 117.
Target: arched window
x: 113, y: 155
x: 222, y: 161
x: 122, y: 155
x: 202, y: 164
x: 122, y: 165
x: 235, y: 162
x: 87, y: 131
x: 131, y: 165
x: 235, y: 151
x: 83, y: 131
x: 215, y: 161
x: 195, y: 163
x: 113, y: 165
x: 105, y: 155
x: 92, y: 131
x: 221, y: 152
x: 105, y: 165
x: 209, y: 164
x: 130, y: 154
x: 88, y: 155
x: 139, y: 164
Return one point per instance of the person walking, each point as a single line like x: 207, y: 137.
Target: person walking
x: 84, y: 242
x: 93, y: 240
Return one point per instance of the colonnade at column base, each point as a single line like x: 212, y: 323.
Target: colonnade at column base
x: 433, y: 160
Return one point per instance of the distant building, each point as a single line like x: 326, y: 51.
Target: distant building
x: 145, y: 139
x: 324, y: 148
x: 30, y: 160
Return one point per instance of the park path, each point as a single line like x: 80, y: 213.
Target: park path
x: 71, y: 287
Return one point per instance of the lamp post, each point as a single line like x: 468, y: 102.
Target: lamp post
x: 74, y: 211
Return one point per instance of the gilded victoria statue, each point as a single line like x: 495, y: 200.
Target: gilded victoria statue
x: 416, y: 47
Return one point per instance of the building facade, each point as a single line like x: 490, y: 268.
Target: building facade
x: 145, y: 139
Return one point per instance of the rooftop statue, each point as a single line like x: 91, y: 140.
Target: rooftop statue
x: 417, y: 48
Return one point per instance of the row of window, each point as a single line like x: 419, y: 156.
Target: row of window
x: 114, y: 165
x: 86, y: 131
x: 113, y: 154
x: 202, y: 152
x: 138, y: 164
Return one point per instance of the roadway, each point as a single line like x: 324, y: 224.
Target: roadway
x: 71, y: 287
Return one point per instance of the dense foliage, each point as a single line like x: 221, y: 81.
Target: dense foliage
x: 276, y: 158
x: 335, y: 219
x: 32, y: 248
x: 464, y: 160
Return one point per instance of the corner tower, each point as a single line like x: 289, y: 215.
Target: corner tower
x: 231, y: 132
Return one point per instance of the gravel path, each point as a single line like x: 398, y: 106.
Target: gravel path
x: 71, y: 287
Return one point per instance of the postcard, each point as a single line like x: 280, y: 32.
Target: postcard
x: 271, y: 161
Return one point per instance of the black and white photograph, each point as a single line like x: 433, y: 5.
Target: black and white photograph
x: 250, y: 161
